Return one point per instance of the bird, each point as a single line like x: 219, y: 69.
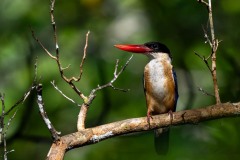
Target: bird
x: 160, y: 86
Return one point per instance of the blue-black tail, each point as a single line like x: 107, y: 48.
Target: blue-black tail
x: 161, y: 140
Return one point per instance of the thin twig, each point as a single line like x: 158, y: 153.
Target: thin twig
x: 211, y: 20
x: 116, y: 68
x: 26, y: 94
x: 54, y: 27
x: 115, y: 76
x: 204, y: 60
x: 206, y: 37
x: 71, y: 100
x: 83, y: 60
x: 204, y: 92
x: 2, y: 119
x: 40, y: 43
x: 35, y: 72
x: 55, y: 134
x: 204, y: 3
x: 84, y: 56
x: 2, y: 129
x: 10, y: 120
x: 119, y: 89
x: 21, y: 100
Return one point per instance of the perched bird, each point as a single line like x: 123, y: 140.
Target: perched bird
x: 160, y: 85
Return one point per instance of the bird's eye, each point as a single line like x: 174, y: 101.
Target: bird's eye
x: 154, y: 46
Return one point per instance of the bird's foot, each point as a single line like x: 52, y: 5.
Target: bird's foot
x: 170, y: 113
x: 149, y: 116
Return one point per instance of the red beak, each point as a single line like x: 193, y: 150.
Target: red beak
x: 135, y: 48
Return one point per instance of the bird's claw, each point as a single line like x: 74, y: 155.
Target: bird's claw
x: 171, y: 116
x: 149, y: 116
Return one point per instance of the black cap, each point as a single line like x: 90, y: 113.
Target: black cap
x: 157, y: 47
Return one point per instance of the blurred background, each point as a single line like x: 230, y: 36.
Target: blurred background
x: 176, y: 23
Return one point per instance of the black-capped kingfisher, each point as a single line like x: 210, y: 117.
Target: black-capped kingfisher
x: 160, y: 85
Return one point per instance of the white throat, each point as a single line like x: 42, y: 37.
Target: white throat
x: 161, y: 56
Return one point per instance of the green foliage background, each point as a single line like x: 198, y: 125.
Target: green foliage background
x: 176, y: 23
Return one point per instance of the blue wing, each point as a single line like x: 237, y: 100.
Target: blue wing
x: 176, y: 88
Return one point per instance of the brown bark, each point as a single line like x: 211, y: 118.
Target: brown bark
x: 99, y: 133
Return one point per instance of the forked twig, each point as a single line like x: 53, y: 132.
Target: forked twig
x: 205, y: 60
x: 40, y: 43
x: 87, y: 100
x: 115, y: 76
x: 57, y: 57
x: 84, y: 108
x: 27, y: 93
x: 214, y: 46
x: 203, y: 2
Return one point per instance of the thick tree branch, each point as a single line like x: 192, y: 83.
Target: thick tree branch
x: 99, y: 133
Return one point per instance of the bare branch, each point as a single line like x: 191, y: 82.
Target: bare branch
x: 57, y: 57
x: 204, y: 60
x: 21, y: 100
x: 54, y: 28
x: 204, y: 92
x: 84, y: 56
x: 115, y: 76
x: 83, y: 60
x: 2, y: 118
x: 40, y: 43
x: 214, y: 46
x: 71, y: 100
x: 26, y: 94
x: 214, y: 55
x: 100, y: 133
x: 10, y: 120
x: 203, y: 2
x: 84, y: 108
x: 2, y: 128
x: 206, y: 37
x: 116, y: 68
x: 119, y: 89
x: 55, y: 134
